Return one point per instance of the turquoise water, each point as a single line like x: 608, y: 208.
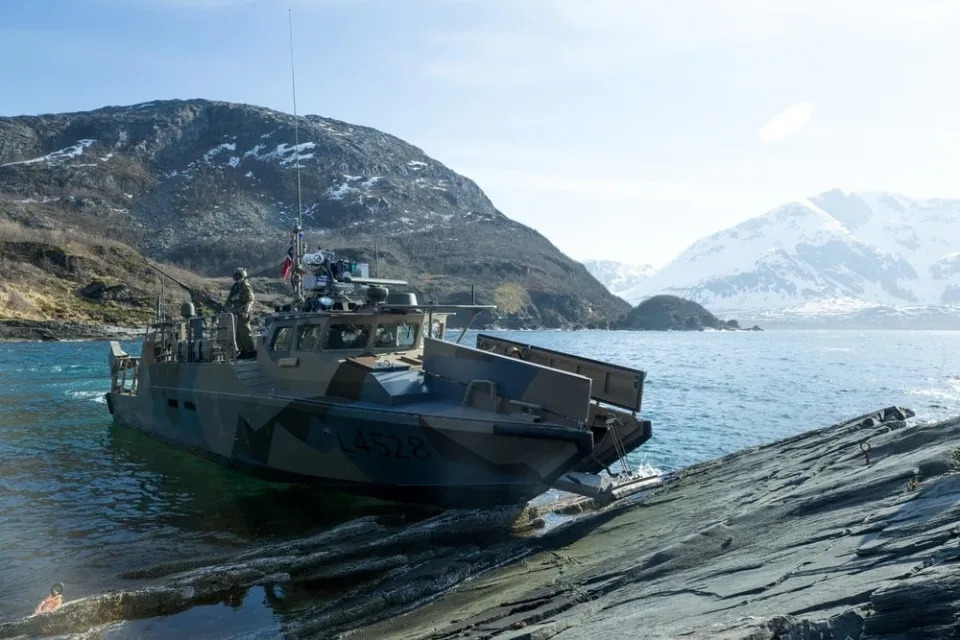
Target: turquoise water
x: 82, y: 500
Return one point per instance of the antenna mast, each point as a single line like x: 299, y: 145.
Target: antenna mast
x: 299, y: 250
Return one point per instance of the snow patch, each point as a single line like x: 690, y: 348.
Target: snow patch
x: 340, y: 192
x: 220, y: 148
x: 55, y: 157
x: 284, y: 153
x: 35, y: 201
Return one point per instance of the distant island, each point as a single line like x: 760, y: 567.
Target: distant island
x: 673, y: 313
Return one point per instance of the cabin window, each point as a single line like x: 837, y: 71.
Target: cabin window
x: 310, y: 337
x: 436, y: 330
x: 283, y: 339
x: 347, y: 336
x: 401, y: 335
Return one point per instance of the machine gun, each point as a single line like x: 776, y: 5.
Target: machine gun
x: 195, y: 295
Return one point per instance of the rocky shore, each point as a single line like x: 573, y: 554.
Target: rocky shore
x: 800, y: 539
x: 805, y: 538
x: 16, y: 330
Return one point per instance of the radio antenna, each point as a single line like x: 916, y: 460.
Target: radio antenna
x: 296, y: 152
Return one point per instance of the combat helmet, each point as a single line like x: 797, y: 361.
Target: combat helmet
x: 239, y: 273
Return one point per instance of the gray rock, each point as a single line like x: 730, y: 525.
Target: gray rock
x: 795, y: 540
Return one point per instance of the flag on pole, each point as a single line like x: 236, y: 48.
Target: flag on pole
x: 287, y: 263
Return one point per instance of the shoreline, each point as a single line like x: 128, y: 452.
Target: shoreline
x: 14, y: 330
x: 796, y: 539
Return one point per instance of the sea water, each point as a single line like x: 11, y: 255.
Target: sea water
x: 83, y: 500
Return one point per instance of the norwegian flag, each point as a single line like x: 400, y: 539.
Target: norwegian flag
x: 287, y: 262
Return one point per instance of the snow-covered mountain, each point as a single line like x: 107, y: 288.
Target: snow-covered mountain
x: 618, y: 277
x: 833, y: 249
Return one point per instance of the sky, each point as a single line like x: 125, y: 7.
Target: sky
x: 620, y: 129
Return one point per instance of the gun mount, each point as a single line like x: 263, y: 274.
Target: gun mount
x: 197, y: 296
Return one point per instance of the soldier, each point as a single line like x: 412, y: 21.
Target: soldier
x: 296, y: 279
x: 240, y: 303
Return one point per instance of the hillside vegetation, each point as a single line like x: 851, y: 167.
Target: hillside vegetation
x: 48, y: 275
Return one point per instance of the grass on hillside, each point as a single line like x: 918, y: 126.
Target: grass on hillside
x: 41, y: 271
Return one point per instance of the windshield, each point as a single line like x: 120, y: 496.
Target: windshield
x: 396, y: 335
x: 347, y: 336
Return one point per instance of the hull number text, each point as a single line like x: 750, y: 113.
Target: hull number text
x: 385, y: 445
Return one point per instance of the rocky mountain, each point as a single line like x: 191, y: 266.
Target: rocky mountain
x: 210, y: 185
x: 617, y: 277
x: 670, y: 313
x: 833, y: 250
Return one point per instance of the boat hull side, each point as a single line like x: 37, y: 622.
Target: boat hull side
x: 434, y: 459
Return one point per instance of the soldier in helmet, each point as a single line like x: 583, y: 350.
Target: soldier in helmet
x: 240, y: 303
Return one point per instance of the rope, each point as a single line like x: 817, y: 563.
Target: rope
x: 620, y: 447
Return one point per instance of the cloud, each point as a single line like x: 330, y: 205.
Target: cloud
x: 788, y: 121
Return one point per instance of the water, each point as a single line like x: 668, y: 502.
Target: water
x: 83, y: 500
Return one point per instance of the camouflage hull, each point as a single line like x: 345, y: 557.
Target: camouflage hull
x: 360, y: 401
x: 425, y: 453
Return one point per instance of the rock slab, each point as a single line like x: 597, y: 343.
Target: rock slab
x: 796, y: 540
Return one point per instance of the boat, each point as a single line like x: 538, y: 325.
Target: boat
x: 361, y: 390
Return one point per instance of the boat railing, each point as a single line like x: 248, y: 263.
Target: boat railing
x: 124, y: 370
x: 208, y: 339
x: 199, y: 339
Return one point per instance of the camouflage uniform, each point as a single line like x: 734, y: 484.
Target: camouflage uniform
x: 240, y: 303
x: 295, y: 281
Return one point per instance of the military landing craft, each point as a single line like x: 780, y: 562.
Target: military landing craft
x: 357, y: 389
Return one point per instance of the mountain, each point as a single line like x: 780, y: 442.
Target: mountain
x: 618, y: 277
x: 836, y: 250
x: 670, y: 313
x: 211, y: 185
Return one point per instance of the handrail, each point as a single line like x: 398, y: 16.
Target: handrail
x: 468, y: 394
